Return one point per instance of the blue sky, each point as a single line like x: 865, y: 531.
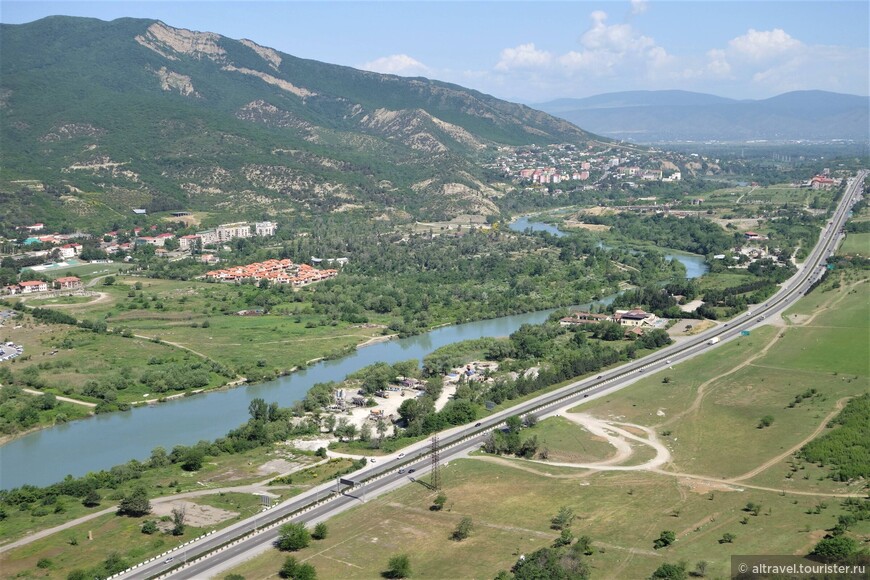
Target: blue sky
x: 538, y: 51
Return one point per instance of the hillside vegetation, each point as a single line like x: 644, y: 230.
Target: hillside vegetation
x: 136, y: 113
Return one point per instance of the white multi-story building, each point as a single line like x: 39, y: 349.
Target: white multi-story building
x: 226, y: 232
x: 188, y: 242
x: 265, y: 228
x: 208, y: 237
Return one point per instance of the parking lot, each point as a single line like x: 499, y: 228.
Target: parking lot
x: 10, y: 350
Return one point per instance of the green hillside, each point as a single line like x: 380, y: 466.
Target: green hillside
x: 135, y: 113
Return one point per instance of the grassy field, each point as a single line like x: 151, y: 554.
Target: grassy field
x: 62, y: 359
x: 219, y: 472
x: 855, y: 244
x: 41, y: 302
x: 743, y: 382
x: 565, y: 442
x: 711, y: 409
x: 72, y: 548
x: 86, y: 271
x: 201, y: 316
x: 83, y: 546
x: 511, y: 511
x: 173, y: 324
x: 748, y: 199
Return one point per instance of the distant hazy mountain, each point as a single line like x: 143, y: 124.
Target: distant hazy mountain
x: 662, y: 116
x: 146, y: 115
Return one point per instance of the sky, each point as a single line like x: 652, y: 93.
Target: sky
x: 534, y: 52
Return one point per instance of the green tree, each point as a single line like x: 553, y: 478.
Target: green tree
x: 835, y: 549
x: 664, y: 540
x: 258, y: 409
x: 753, y: 508
x: 135, y: 504
x: 320, y: 531
x: 670, y: 572
x: 584, y: 545
x: 514, y: 423
x: 149, y: 527
x: 92, y: 499
x: 399, y: 566
x: 178, y: 521
x: 114, y: 563
x: 562, y: 519
x: 382, y: 431
x: 293, y: 536
x: 727, y: 538
x: 158, y: 458
x: 463, y: 529
x: 296, y: 570
x: 411, y: 409
x: 765, y: 421
x: 550, y: 564
x: 564, y: 539
x: 193, y: 459
x: 438, y: 502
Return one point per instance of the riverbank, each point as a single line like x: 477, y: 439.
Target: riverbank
x: 184, y: 420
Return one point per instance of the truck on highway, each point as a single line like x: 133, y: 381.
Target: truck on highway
x: 713, y: 340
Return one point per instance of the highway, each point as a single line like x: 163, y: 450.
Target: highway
x: 209, y: 555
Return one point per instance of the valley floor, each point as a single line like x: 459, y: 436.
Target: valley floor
x: 686, y: 455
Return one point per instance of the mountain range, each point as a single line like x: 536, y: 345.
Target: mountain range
x: 136, y: 113
x: 672, y: 116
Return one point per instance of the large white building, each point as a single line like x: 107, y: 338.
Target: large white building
x: 265, y: 228
x: 226, y: 232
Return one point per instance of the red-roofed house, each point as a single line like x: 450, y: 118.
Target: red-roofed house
x: 31, y: 286
x: 634, y: 317
x: 70, y: 250
x: 68, y: 283
x: 821, y: 182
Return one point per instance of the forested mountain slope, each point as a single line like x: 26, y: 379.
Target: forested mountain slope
x: 136, y: 113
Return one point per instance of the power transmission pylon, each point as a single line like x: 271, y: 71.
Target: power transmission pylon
x: 436, y: 461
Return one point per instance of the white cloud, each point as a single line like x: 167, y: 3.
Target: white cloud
x: 397, y: 64
x: 524, y: 56
x: 616, y: 37
x: 609, y: 48
x: 611, y: 56
x: 764, y: 44
x: 772, y: 62
x: 717, y: 64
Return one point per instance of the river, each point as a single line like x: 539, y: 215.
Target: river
x: 695, y: 264
x: 75, y: 448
